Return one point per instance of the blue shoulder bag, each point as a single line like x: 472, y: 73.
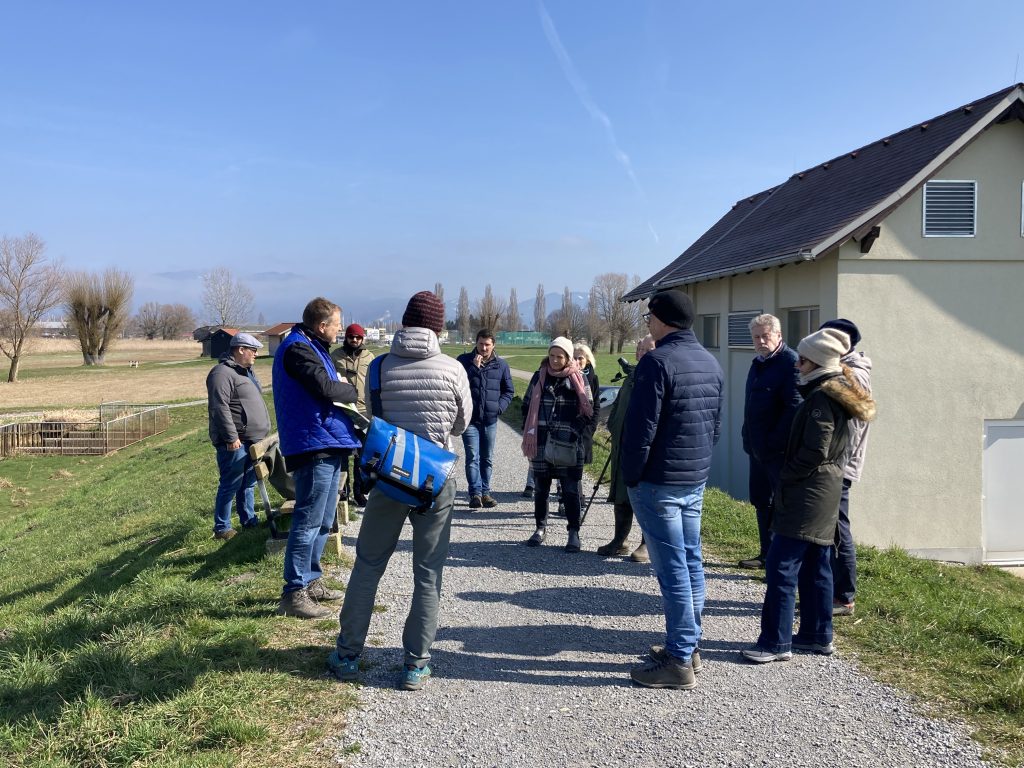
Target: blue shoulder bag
x: 409, y: 468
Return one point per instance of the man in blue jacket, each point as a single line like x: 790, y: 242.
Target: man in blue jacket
x: 672, y: 425
x: 490, y: 381
x: 771, y: 401
x: 316, y: 440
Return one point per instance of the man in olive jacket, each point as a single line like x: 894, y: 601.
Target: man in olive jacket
x: 238, y: 418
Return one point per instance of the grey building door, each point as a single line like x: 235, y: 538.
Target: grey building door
x: 1003, y: 488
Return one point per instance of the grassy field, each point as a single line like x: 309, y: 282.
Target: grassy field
x: 129, y: 637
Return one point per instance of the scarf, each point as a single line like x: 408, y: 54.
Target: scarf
x: 817, y: 373
x: 579, y: 385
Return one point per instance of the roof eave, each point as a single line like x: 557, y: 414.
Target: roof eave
x: 795, y: 257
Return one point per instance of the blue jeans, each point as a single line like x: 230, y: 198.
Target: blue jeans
x: 383, y: 521
x: 316, y: 503
x: 792, y: 566
x: 669, y: 516
x: 844, y: 559
x: 478, y: 440
x: 237, y: 480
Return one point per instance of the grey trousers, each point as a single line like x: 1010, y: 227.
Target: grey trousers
x: 383, y: 520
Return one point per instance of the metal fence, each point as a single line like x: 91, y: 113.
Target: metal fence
x: 118, y: 424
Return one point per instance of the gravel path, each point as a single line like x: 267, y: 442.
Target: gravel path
x: 531, y: 667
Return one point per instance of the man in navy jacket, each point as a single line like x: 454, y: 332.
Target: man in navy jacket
x: 771, y: 401
x: 672, y: 425
x: 490, y: 381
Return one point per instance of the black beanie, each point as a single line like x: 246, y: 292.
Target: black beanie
x: 847, y: 327
x: 672, y: 307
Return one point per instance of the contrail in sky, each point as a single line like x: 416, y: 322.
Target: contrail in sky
x: 583, y: 94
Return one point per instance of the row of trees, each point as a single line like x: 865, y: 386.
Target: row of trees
x: 604, y: 318
x: 96, y: 305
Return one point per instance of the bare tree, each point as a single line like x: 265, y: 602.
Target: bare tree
x: 490, y: 310
x: 225, y: 299
x: 148, y: 320
x: 97, y: 310
x: 621, y: 320
x: 176, y: 320
x: 513, y: 322
x: 30, y: 286
x: 596, y: 328
x: 462, y: 315
x: 570, y: 321
x: 540, y: 309
x: 439, y: 292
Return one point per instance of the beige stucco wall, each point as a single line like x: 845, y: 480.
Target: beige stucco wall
x: 942, y: 320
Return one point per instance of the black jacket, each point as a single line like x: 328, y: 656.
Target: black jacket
x: 674, y: 414
x: 807, y: 502
x: 771, y: 402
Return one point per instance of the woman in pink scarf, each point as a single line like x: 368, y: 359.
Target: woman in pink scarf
x: 558, y: 402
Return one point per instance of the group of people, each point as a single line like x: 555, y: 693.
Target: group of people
x: 804, y: 430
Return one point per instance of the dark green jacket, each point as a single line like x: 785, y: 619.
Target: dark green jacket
x: 617, y: 493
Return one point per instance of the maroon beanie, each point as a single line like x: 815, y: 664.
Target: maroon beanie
x: 424, y: 310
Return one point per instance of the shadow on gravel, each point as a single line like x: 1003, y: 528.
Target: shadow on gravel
x: 550, y: 559
x: 590, y: 601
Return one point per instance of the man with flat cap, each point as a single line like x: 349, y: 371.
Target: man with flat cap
x: 672, y: 425
x: 238, y: 418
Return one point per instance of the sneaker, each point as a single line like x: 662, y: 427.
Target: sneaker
x: 415, y: 677
x: 537, y: 539
x: 300, y: 605
x: 753, y: 563
x: 825, y: 650
x: 345, y: 669
x: 758, y: 655
x: 528, y: 492
x: 321, y: 592
x: 613, y: 549
x: 225, y: 535
x: 658, y: 652
x: 573, y: 544
x: 666, y: 672
x: 640, y: 555
x: 489, y: 501
x: 475, y: 502
x: 842, y: 609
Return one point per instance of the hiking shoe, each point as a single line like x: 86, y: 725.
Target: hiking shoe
x: 613, y: 549
x: 489, y: 501
x: 826, y: 649
x: 300, y: 605
x: 758, y: 655
x: 321, y: 592
x: 415, y: 677
x: 666, y: 672
x: 658, y: 652
x: 225, y: 535
x: 640, y: 555
x: 842, y: 609
x: 345, y: 668
x: 573, y: 544
x: 475, y: 502
x: 528, y: 492
x: 754, y: 563
x: 537, y: 539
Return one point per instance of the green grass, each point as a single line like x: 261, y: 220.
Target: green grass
x: 129, y: 637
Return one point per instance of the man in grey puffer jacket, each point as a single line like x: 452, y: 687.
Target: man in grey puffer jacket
x: 238, y: 418
x: 425, y: 392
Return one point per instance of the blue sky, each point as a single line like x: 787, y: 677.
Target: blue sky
x: 365, y: 151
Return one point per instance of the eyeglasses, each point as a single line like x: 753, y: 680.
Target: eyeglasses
x: 350, y: 336
x: 645, y: 316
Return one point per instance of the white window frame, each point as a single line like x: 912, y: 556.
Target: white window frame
x: 924, y: 207
x: 718, y: 329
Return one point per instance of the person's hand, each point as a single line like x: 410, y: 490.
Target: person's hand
x: 234, y: 445
x: 478, y: 361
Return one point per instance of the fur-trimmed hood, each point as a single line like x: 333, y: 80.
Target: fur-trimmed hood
x: 848, y: 392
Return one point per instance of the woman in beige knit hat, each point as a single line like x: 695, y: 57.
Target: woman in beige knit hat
x: 807, y: 502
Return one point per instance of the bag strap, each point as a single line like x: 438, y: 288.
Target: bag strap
x: 373, y: 377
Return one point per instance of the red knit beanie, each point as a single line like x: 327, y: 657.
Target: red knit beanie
x: 424, y: 310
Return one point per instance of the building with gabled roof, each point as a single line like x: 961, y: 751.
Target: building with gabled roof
x: 919, y: 239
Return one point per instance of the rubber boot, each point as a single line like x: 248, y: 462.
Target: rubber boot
x: 640, y: 553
